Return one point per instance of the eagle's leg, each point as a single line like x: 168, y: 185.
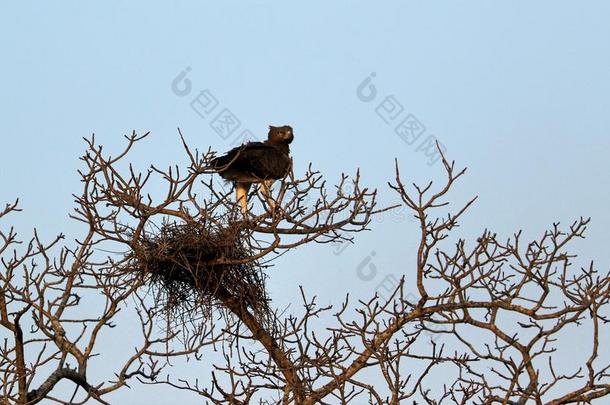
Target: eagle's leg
x: 241, y: 191
x: 266, y: 188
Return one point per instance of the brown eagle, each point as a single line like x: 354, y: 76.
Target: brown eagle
x: 257, y: 162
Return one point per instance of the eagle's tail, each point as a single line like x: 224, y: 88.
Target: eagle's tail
x: 221, y: 163
x: 217, y: 163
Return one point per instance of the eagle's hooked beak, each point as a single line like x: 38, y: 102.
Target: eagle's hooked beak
x: 289, y: 136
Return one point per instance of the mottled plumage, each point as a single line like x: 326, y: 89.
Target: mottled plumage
x: 257, y: 162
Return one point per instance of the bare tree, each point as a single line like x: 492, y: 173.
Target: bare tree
x: 502, y: 307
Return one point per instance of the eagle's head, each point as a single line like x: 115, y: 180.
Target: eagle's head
x: 281, y: 134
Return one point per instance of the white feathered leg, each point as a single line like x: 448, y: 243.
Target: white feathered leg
x: 241, y: 192
x: 266, y: 189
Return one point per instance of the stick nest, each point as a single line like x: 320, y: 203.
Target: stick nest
x: 195, y: 268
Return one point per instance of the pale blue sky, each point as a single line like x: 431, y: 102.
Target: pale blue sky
x: 516, y: 91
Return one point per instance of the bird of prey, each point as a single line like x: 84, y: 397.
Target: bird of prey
x: 257, y: 162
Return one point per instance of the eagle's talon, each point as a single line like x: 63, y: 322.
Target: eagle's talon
x: 277, y: 213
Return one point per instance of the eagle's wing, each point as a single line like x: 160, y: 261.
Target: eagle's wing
x: 222, y: 162
x: 253, y: 161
